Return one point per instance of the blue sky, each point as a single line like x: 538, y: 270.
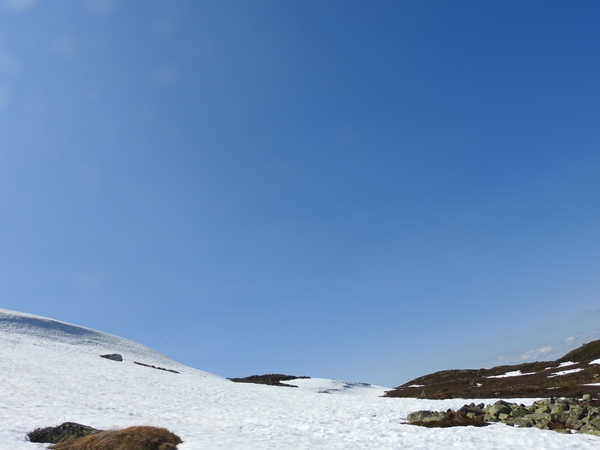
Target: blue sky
x: 367, y: 191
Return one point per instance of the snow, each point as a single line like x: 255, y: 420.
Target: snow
x: 51, y: 372
x: 596, y: 361
x: 516, y: 373
x: 564, y: 372
x: 327, y: 386
x: 565, y: 364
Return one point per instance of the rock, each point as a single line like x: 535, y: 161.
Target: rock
x: 577, y: 412
x: 113, y: 357
x: 427, y: 416
x: 588, y: 429
x: 500, y: 407
x: 519, y: 411
x: 543, y: 409
x: 60, y: 433
x: 560, y: 407
x: 472, y: 410
x: 574, y: 424
x: 562, y: 416
x: 524, y: 422
x: 541, y: 419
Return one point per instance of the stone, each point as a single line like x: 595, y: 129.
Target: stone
x: 500, y: 407
x: 113, y: 357
x: 427, y: 416
x: 577, y: 412
x: 588, y: 429
x: 471, y: 410
x: 519, y: 411
x: 574, y: 424
x: 560, y: 407
x: 524, y: 422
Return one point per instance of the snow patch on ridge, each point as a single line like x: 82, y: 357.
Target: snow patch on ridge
x: 515, y: 373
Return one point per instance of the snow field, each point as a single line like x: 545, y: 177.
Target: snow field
x: 48, y: 377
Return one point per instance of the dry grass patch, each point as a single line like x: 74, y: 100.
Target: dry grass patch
x: 132, y: 438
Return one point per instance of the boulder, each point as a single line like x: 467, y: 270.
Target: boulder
x: 113, y: 357
x: 500, y: 407
x: 427, y: 416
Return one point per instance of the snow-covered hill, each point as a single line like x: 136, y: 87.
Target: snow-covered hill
x: 51, y: 372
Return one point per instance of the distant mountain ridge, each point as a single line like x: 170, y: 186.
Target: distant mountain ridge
x: 573, y: 375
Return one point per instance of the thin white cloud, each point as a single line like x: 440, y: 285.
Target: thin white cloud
x: 64, y: 46
x: 5, y: 95
x: 19, y: 6
x: 164, y: 75
x: 100, y: 7
x: 536, y: 353
x: 8, y: 64
x: 550, y: 352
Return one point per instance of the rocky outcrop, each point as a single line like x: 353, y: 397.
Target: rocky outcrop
x: 272, y: 379
x: 113, y: 357
x: 154, y: 367
x: 562, y: 415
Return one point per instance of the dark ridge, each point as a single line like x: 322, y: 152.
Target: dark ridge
x: 272, y: 379
x: 536, y: 379
x: 585, y: 353
x: 154, y: 367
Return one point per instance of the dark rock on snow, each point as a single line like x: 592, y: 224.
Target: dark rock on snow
x: 113, y: 357
x: 273, y: 379
x: 60, y: 433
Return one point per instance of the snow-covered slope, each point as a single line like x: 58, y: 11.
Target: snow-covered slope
x: 328, y: 386
x: 51, y: 372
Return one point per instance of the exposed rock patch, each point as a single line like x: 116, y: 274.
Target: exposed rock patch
x: 273, y: 379
x: 154, y: 367
x: 562, y: 415
x: 113, y: 357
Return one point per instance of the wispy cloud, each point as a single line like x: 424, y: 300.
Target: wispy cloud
x: 550, y: 351
x: 19, y: 6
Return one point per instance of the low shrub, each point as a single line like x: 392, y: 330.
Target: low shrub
x: 60, y: 433
x: 132, y: 438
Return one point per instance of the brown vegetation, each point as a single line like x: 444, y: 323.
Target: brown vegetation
x: 132, y: 438
x: 62, y: 432
x: 537, y: 379
x: 272, y: 379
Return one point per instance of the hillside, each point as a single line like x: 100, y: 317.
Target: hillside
x: 575, y: 374
x: 51, y: 372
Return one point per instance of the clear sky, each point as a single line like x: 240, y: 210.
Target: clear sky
x: 367, y: 191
